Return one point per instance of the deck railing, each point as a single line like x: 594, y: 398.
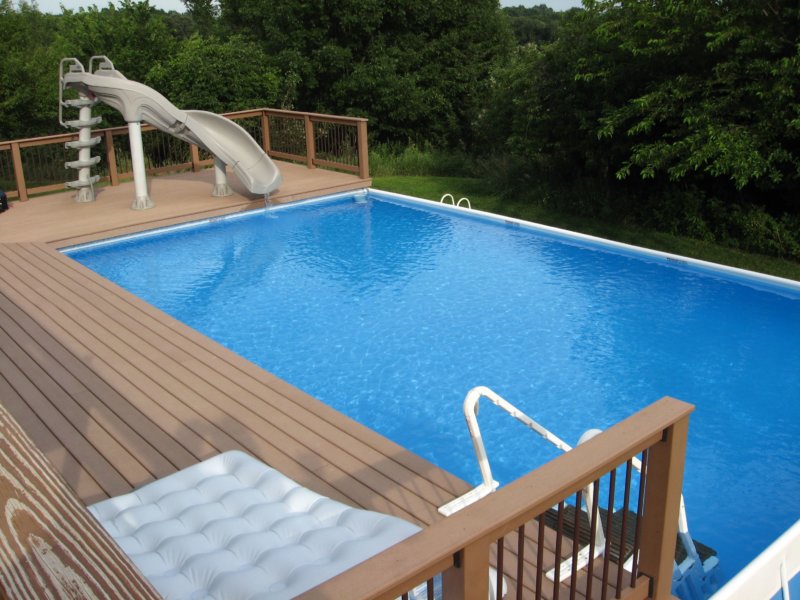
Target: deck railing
x: 36, y: 165
x: 525, y: 528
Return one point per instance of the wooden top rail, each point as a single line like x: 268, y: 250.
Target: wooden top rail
x: 433, y: 549
x: 315, y: 116
x: 241, y: 114
x: 50, y: 546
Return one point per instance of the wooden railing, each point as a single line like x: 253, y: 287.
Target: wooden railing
x: 517, y: 530
x: 36, y: 165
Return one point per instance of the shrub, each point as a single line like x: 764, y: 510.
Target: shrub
x: 387, y: 160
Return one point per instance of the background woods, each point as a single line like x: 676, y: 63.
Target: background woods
x: 677, y: 115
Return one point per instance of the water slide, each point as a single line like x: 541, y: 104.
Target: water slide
x: 223, y: 138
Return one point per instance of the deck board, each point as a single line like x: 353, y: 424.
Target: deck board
x: 82, y: 385
x: 199, y: 385
x: 64, y: 460
x: 133, y: 395
x: 247, y: 388
x: 178, y: 197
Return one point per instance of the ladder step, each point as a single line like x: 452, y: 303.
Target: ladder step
x: 77, y: 124
x: 80, y: 164
x: 82, y: 184
x: 79, y: 102
x: 83, y: 143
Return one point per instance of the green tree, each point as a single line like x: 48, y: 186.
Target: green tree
x: 533, y: 24
x: 181, y: 25
x: 219, y: 76
x: 204, y: 15
x: 540, y: 108
x: 721, y: 95
x: 418, y: 69
x: 28, y: 71
x: 134, y: 35
x: 679, y: 114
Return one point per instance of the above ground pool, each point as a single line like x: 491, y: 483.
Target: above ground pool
x: 390, y: 310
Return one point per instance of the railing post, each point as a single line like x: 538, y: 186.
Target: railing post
x: 363, y: 150
x: 310, y: 144
x: 469, y: 578
x: 195, y: 151
x: 111, y: 158
x: 266, y: 143
x: 19, y: 173
x: 659, y: 525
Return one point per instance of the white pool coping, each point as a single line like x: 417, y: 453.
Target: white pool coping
x: 752, y: 278
x: 772, y: 573
x: 735, y: 273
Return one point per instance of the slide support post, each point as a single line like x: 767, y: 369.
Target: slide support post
x: 221, y: 187
x: 142, y: 199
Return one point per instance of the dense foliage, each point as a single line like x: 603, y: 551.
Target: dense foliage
x: 419, y: 69
x: 533, y: 25
x: 216, y: 75
x: 683, y: 115
x: 28, y: 90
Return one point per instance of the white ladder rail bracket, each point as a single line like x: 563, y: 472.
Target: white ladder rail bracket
x: 472, y: 496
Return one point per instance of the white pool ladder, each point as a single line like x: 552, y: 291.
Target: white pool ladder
x: 488, y: 485
x: 452, y: 200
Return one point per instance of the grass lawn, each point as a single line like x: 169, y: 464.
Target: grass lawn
x: 483, y: 197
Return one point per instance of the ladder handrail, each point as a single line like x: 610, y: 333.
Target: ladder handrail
x: 471, y: 407
x: 75, y: 66
x: 488, y: 485
x: 105, y: 63
x: 452, y: 200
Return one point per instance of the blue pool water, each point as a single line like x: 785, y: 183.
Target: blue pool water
x: 390, y: 311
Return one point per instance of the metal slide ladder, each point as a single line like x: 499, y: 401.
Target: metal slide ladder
x: 692, y: 577
x: 84, y: 184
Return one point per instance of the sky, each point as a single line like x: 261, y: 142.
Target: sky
x: 53, y: 6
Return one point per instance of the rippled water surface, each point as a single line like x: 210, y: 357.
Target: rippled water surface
x: 391, y: 312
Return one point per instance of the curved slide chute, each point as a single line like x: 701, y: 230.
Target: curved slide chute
x: 223, y: 138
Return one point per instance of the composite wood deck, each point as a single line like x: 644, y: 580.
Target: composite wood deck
x: 117, y: 393
x: 179, y: 197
